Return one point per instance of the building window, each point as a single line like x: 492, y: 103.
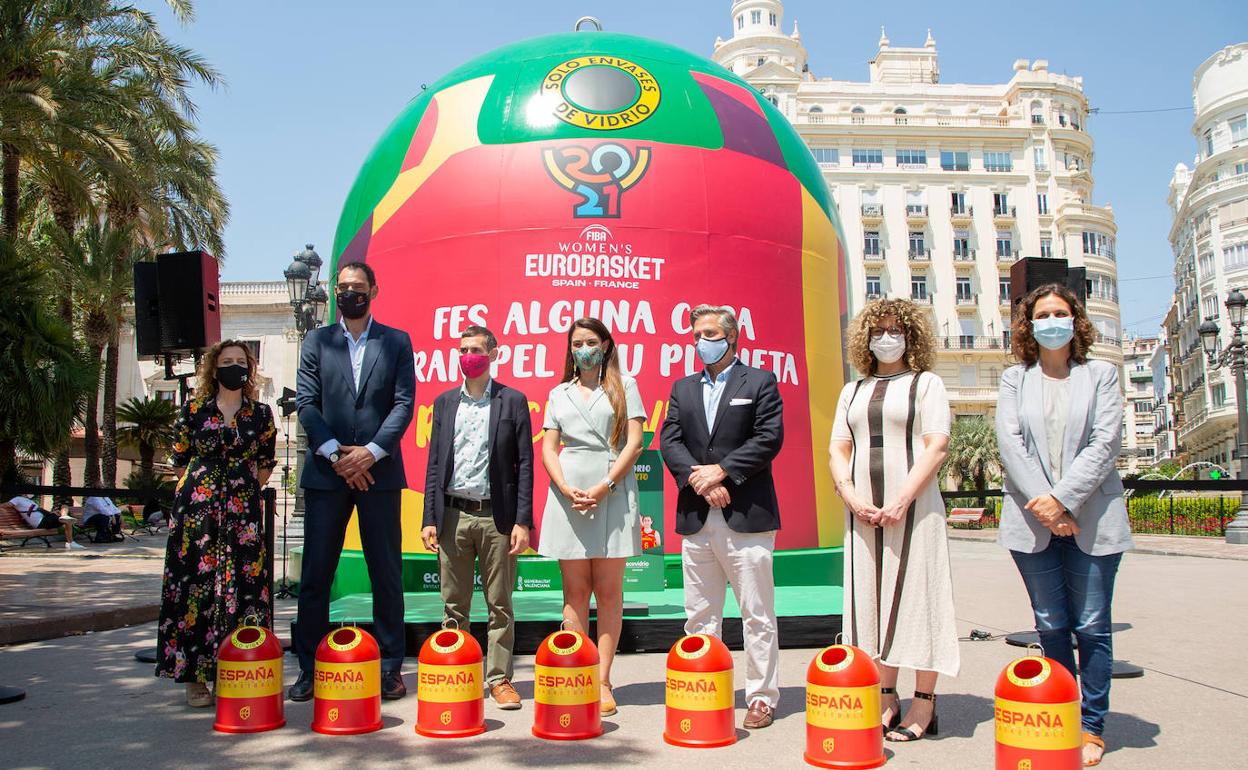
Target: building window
x: 166, y: 395
x: 874, y: 286
x: 1144, y: 407
x: 756, y: 17
x: 1239, y: 129
x: 1206, y: 264
x: 1001, y: 203
x: 1005, y: 244
x: 1098, y: 244
x: 1235, y: 255
x: 963, y: 286
x: 918, y: 287
x: 1003, y: 289
x: 1209, y: 306
x: 1218, y: 394
x: 772, y: 18
x: 917, y: 247
x: 1040, y: 158
x: 741, y: 21
x: 961, y: 244
x: 998, y: 161
x: 871, y: 242
x: 1102, y: 287
x: 1046, y: 247
x: 1037, y: 113
x: 1042, y: 203
x: 1208, y: 142
x: 912, y: 157
x: 827, y: 156
x: 1241, y: 168
x: 868, y: 157
x: 955, y: 161
x: 957, y: 203
x: 761, y: 61
x: 254, y: 346
x: 815, y: 109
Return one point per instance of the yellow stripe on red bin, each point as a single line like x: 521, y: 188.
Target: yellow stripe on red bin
x: 565, y: 686
x: 1043, y: 726
x: 843, y: 708
x: 699, y: 691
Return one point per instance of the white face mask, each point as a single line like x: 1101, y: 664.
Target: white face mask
x: 889, y: 348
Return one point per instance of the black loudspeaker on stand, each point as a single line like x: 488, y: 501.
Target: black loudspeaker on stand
x: 287, y: 404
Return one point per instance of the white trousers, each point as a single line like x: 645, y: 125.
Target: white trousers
x: 716, y: 556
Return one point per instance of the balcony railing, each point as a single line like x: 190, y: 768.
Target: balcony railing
x: 876, y: 255
x: 1007, y: 256
x: 963, y: 212
x: 1113, y: 342
x: 964, y: 256
x: 1004, y: 212
x: 916, y: 211
x: 966, y: 299
x: 919, y: 255
x: 872, y: 211
x: 968, y: 342
x: 926, y: 299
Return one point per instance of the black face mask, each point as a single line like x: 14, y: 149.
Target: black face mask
x: 232, y: 377
x: 353, y: 304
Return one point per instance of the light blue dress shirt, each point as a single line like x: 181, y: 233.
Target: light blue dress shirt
x: 471, y: 477
x: 713, y: 392
x: 355, y: 348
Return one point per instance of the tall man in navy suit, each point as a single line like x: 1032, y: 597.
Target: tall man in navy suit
x: 724, y: 427
x: 356, y: 393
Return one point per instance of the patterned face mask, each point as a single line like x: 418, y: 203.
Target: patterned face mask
x: 588, y: 356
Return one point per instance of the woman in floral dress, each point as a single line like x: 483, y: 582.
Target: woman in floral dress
x: 215, y: 563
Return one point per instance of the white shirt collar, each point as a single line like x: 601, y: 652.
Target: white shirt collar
x: 342, y: 321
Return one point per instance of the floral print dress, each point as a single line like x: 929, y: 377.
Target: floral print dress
x: 215, y: 562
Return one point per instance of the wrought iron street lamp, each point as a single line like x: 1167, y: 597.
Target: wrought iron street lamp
x: 1234, y: 357
x: 309, y: 302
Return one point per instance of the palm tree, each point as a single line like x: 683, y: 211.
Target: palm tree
x: 43, y: 374
x: 973, y: 451
x: 99, y: 262
x: 149, y: 427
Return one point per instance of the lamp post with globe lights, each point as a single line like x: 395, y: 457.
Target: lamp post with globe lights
x: 309, y: 302
x: 1234, y: 357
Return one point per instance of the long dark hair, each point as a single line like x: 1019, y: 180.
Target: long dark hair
x: 1024, y: 345
x: 612, y: 380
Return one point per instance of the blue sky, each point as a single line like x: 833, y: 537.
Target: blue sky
x: 311, y: 85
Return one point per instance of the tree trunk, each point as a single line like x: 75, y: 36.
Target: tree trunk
x: 90, y: 423
x: 8, y: 460
x: 11, y: 160
x: 108, y: 453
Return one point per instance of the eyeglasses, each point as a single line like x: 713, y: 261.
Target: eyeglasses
x: 879, y: 333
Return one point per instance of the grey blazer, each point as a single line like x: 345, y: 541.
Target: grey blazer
x: 1090, y: 487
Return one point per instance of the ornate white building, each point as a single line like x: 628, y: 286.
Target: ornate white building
x: 1209, y: 236
x: 1139, y: 446
x: 941, y: 187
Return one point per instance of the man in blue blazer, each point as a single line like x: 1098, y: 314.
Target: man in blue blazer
x: 356, y: 391
x: 724, y: 427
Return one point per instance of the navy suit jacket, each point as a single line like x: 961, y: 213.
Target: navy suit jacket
x: 747, y: 436
x: 331, y: 407
x: 511, y: 458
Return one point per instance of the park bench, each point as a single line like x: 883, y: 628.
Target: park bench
x: 13, y: 527
x: 967, y: 516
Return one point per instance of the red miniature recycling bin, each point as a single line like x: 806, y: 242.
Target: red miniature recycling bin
x: 566, y: 691
x: 1037, y: 715
x: 449, y: 690
x: 346, y: 685
x: 699, y: 693
x: 249, y: 682
x: 843, y: 709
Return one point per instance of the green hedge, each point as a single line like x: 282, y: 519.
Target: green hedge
x: 1149, y: 514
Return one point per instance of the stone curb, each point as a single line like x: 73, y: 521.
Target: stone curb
x: 70, y: 624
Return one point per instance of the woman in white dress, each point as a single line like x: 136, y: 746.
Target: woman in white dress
x: 889, y: 439
x: 591, y: 522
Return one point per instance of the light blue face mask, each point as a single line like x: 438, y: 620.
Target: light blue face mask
x: 711, y: 351
x: 1053, y: 332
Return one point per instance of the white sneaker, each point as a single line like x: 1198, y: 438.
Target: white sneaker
x: 72, y: 546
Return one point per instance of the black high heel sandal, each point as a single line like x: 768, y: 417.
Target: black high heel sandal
x: 933, y: 727
x: 892, y: 723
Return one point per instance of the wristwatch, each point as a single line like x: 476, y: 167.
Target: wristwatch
x: 334, y: 457
x: 610, y: 485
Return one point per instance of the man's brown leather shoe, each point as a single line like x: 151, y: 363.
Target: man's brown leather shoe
x: 759, y: 716
x: 505, y: 696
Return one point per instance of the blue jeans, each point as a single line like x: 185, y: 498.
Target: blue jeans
x: 1072, y: 591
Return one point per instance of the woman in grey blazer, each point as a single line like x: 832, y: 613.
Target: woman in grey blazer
x: 1059, y: 429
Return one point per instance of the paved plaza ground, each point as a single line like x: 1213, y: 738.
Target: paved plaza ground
x: 90, y: 704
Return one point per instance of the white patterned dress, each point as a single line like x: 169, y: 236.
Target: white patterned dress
x: 898, y: 603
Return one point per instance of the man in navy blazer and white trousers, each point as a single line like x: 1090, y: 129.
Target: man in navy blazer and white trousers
x: 356, y: 392
x: 724, y: 427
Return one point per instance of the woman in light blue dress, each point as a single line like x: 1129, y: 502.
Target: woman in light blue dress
x: 591, y: 523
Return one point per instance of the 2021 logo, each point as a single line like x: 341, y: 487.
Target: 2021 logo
x: 599, y: 175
